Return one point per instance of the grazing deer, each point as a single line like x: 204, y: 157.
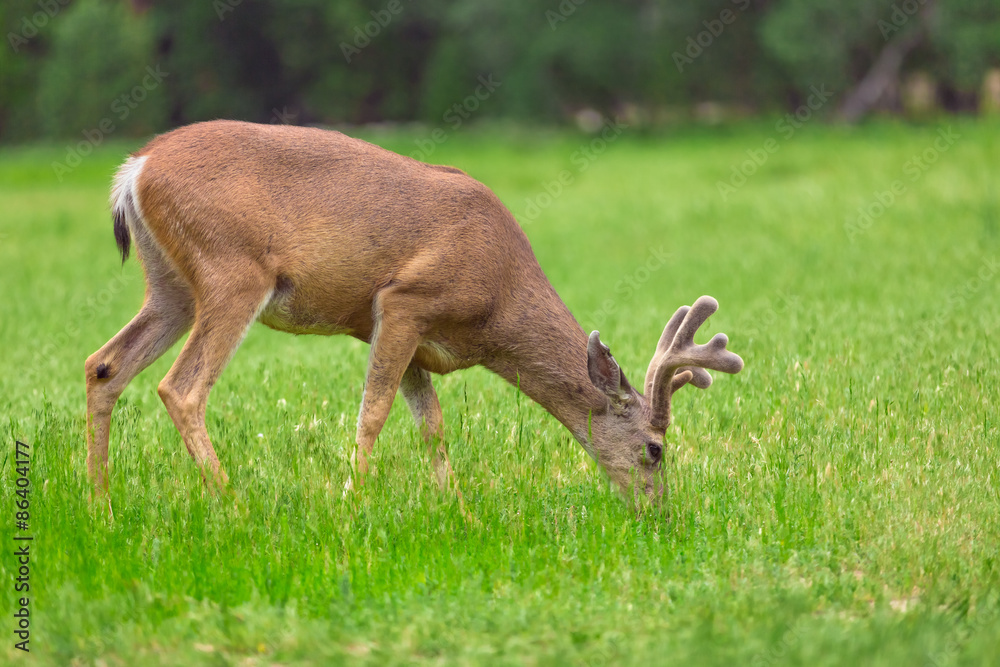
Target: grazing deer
x: 312, y: 232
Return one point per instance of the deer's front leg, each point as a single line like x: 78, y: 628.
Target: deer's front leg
x: 393, y: 343
x: 420, y: 396
x: 418, y: 391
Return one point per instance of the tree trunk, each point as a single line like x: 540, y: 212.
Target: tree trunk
x: 882, y: 74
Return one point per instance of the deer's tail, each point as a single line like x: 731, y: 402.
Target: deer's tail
x: 125, y: 203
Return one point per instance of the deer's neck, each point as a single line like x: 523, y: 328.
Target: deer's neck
x: 545, y: 355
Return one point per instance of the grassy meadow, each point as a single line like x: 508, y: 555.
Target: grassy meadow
x: 838, y: 502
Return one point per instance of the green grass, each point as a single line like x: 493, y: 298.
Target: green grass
x: 836, y: 503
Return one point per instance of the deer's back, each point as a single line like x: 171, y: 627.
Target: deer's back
x: 334, y: 220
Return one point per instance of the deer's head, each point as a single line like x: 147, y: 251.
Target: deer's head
x: 626, y: 437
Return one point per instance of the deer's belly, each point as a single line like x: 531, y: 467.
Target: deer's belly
x: 437, y: 358
x: 281, y: 322
x: 295, y: 311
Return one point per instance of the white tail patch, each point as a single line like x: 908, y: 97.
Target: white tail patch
x: 125, y: 192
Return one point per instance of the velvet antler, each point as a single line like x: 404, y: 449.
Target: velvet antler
x: 678, y: 360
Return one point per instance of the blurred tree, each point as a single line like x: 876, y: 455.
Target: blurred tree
x: 116, y: 86
x: 728, y: 63
x: 221, y: 63
x: 310, y: 61
x: 861, y: 47
x: 967, y: 34
x: 27, y: 30
x: 822, y: 43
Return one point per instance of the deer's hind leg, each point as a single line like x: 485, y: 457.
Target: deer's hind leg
x: 166, y: 314
x: 223, y: 315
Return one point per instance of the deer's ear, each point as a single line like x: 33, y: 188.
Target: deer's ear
x: 604, y: 371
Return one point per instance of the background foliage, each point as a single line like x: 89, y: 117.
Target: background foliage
x: 356, y: 61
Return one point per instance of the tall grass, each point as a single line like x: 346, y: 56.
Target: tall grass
x: 836, y: 503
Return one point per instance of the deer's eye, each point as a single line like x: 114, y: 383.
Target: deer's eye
x: 654, y: 452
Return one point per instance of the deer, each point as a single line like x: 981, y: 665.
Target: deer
x: 309, y: 231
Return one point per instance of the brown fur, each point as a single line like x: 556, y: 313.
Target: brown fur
x: 311, y: 231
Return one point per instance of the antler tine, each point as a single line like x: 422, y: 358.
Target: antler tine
x: 670, y: 330
x: 702, y: 309
x: 673, y: 338
x: 678, y: 360
x: 666, y: 338
x: 699, y: 378
x: 713, y: 354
